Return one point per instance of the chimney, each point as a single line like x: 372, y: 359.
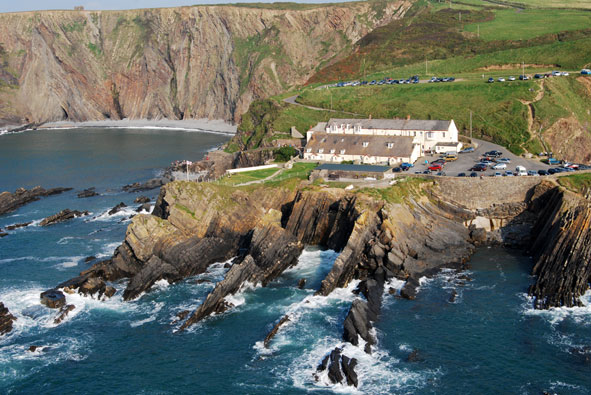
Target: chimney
x: 408, y: 117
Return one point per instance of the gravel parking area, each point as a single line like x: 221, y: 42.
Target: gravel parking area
x: 466, y: 161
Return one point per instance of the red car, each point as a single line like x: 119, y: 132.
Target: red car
x: 435, y: 167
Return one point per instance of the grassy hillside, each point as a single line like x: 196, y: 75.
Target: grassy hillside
x: 473, y: 40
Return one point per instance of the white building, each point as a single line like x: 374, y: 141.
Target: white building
x: 373, y: 141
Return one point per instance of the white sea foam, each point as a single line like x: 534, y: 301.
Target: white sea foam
x: 67, y: 239
x: 108, y: 250
x: 378, y: 373
x: 580, y: 315
x: 153, y: 314
x: 124, y: 213
x: 310, y: 260
x: 70, y: 262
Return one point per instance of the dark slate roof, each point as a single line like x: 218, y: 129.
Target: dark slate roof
x: 446, y: 144
x: 394, y: 124
x: 355, y: 168
x: 353, y: 144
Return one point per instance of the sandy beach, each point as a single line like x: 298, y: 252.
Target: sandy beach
x: 189, y: 124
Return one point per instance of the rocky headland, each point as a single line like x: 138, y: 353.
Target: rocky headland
x: 11, y: 201
x: 406, y: 231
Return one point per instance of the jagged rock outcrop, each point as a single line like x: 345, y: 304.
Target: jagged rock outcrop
x: 62, y: 216
x: 90, y: 65
x: 11, y: 201
x: 562, y: 250
x: 6, y: 320
x: 90, y: 192
x: 339, y: 367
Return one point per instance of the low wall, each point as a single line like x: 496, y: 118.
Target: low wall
x: 476, y: 193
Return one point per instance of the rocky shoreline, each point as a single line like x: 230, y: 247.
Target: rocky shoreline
x: 411, y: 230
x: 11, y: 201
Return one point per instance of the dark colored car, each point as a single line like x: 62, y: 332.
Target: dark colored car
x: 461, y: 174
x: 491, y: 80
x: 523, y: 77
x: 493, y: 153
x: 397, y: 170
x: 551, y: 170
x: 473, y: 174
x: 543, y: 172
x: 479, y: 167
x: 538, y: 76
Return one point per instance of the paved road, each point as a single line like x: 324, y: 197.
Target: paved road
x: 466, y: 161
x: 292, y: 100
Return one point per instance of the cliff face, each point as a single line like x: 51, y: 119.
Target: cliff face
x: 186, y: 62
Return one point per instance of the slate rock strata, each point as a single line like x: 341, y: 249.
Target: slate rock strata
x: 6, y: 320
x: 62, y: 216
x: 11, y: 201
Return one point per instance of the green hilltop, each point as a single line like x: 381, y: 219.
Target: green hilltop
x: 471, y: 40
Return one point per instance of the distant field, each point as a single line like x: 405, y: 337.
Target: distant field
x: 511, y: 24
x: 583, y: 4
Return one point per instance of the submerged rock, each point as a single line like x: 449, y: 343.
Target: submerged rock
x: 64, y: 311
x: 6, y: 320
x: 11, y: 201
x: 17, y: 226
x: 148, y: 185
x: 89, y: 259
x: 53, y: 299
x: 341, y: 369
x: 301, y: 283
x: 117, y: 208
x: 62, y: 216
x: 90, y: 192
x: 275, y: 329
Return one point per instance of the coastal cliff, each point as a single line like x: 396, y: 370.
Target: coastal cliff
x: 176, y: 63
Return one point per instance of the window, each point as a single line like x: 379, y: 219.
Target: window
x: 321, y: 150
x: 443, y: 134
x: 342, y: 140
x: 342, y: 152
x: 390, y: 145
x: 309, y: 150
x: 332, y: 151
x: 365, y: 144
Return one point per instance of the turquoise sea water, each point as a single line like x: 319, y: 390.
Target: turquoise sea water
x: 487, y: 341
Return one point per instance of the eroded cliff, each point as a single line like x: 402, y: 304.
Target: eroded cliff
x: 177, y: 63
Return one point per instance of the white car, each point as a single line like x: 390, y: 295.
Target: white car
x: 504, y: 160
x: 511, y: 78
x: 500, y: 166
x: 565, y: 73
x: 501, y: 79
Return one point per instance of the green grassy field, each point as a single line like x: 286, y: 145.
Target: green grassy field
x: 581, y: 4
x: 241, y: 178
x: 497, y: 113
x: 579, y: 183
x: 511, y: 24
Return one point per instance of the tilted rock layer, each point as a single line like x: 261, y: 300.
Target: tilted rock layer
x: 176, y: 63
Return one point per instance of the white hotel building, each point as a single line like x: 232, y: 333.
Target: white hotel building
x: 374, y: 141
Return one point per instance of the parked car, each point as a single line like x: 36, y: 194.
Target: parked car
x: 539, y: 76
x: 441, y: 173
x: 467, y: 150
x: 427, y: 172
x: 503, y: 160
x: 532, y: 173
x: 553, y: 161
x: 551, y: 171
x: 493, y: 153
x: 451, y: 157
x: 500, y: 166
x: 523, y: 77
x: 405, y: 166
x: 491, y: 80
x: 556, y: 73
x: 397, y: 170
x: 473, y: 174
x: 501, y: 79
x: 435, y: 167
x: 497, y: 174
x: 479, y: 167
x: 433, y: 79
x: 511, y: 78
x: 461, y: 174
x: 564, y: 74
x: 543, y: 172
x: 508, y: 173
x: 586, y: 72
x: 520, y: 171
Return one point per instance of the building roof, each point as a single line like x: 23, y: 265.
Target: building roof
x: 401, y: 147
x: 448, y: 144
x: 355, y: 168
x: 393, y: 124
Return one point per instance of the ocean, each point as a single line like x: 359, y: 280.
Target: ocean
x: 486, y: 340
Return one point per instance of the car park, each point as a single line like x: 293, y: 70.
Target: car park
x: 500, y: 166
